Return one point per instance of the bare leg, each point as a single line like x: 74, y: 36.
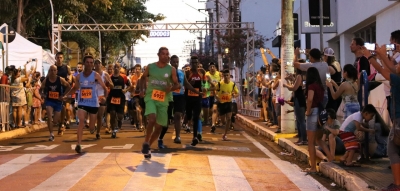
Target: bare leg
x: 81, y: 116
x: 100, y: 114
x: 177, y: 121
x: 227, y: 118
x: 332, y: 144
x: 214, y: 114
x: 50, y: 120
x: 149, y: 127
x: 19, y: 115
x: 155, y: 134
x: 311, y: 150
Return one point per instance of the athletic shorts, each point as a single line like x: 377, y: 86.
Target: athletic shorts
x: 91, y: 110
x: 224, y: 108
x: 142, y: 104
x: 131, y: 104
x: 179, y: 103
x: 57, y: 106
x: 117, y: 108
x: 159, y: 109
x: 211, y: 99
x: 205, y: 102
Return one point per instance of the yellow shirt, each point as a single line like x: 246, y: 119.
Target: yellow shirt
x: 225, y: 91
x: 214, y: 79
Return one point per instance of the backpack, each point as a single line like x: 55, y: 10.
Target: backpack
x: 372, y: 70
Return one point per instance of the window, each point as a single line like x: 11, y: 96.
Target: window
x: 368, y: 33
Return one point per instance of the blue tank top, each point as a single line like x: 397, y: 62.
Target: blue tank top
x: 88, y: 91
x: 180, y: 79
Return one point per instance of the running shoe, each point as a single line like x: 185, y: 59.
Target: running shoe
x: 145, y: 148
x: 161, y: 144
x: 199, y: 137
x: 51, y: 138
x: 93, y: 130
x: 177, y: 140
x: 195, y: 141
x: 224, y: 138
x: 67, y: 126
x: 98, y: 136
x: 78, y: 149
x: 213, y: 129
x: 114, y: 134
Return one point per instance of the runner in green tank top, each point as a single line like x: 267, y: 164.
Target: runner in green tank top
x: 162, y: 80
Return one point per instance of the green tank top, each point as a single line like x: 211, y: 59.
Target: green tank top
x: 159, y: 79
x: 207, y: 85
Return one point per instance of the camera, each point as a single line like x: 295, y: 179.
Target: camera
x: 390, y: 47
x: 370, y: 46
x: 302, y: 51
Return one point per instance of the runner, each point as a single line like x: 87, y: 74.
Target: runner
x: 116, y: 99
x: 100, y: 92
x: 225, y: 91
x: 135, y: 96
x: 193, y: 99
x: 160, y: 75
x: 71, y: 99
x: 215, y: 77
x: 179, y: 98
x: 53, y: 91
x: 62, y: 71
x: 88, y: 100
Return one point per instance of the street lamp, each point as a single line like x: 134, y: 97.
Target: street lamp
x: 99, y: 34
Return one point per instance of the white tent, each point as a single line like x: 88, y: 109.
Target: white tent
x: 22, y: 50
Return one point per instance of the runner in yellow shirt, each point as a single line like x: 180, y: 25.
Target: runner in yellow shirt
x: 226, y: 90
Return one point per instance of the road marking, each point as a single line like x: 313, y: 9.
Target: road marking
x: 292, y: 171
x: 8, y: 148
x: 151, y: 174
x: 260, y: 146
x: 220, y: 148
x: 223, y: 166
x: 82, y: 146
x: 41, y: 148
x: 19, y: 163
x: 126, y: 146
x: 72, y: 173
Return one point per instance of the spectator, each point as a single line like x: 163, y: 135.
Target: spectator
x: 299, y: 106
x: 347, y: 133
x: 361, y: 63
x: 336, y: 75
x: 348, y: 90
x: 315, y: 95
x: 18, y: 97
x: 330, y: 138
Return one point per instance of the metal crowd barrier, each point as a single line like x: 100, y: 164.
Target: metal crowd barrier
x: 5, y: 101
x: 363, y: 94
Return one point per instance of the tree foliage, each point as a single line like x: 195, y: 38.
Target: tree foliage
x: 33, y: 21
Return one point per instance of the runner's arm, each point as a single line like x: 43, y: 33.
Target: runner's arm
x: 174, y: 80
x: 143, y: 79
x: 66, y: 84
x: 235, y: 92
x: 76, y: 87
x: 109, y: 82
x: 100, y: 81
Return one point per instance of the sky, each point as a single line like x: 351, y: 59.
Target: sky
x: 176, y: 11
x: 264, y: 13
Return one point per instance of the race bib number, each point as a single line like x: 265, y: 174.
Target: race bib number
x: 116, y: 100
x: 158, y: 95
x: 190, y: 93
x: 54, y: 95
x: 226, y: 98
x: 86, y: 93
x: 177, y: 91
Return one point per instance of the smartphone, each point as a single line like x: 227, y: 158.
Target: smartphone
x: 302, y: 51
x: 328, y: 76
x: 369, y: 46
x: 273, y: 75
x: 33, y: 59
x: 390, y: 47
x: 266, y: 76
x: 304, y: 83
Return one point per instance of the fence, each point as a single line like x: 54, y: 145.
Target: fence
x: 5, y: 102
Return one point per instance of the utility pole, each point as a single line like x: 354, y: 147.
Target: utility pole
x: 211, y: 17
x: 219, y: 32
x: 287, y: 119
x: 321, y: 24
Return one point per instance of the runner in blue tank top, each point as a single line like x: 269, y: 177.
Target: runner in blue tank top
x: 88, y: 100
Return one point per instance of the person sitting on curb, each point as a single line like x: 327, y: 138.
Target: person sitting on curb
x: 334, y: 143
x: 347, y: 133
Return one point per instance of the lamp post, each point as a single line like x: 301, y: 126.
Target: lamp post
x: 52, y: 26
x: 99, y: 36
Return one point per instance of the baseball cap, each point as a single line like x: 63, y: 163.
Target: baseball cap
x: 329, y: 52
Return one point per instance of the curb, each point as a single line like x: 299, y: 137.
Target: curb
x: 340, y: 176
x: 21, y: 131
